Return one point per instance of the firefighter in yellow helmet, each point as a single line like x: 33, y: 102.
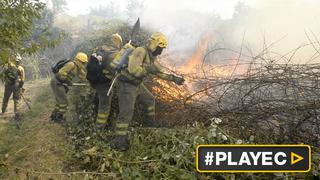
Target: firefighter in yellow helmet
x: 142, y: 62
x: 101, y: 81
x: 14, y: 77
x: 116, y: 40
x: 61, y: 82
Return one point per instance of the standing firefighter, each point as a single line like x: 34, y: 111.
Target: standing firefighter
x: 142, y: 62
x: 100, y: 73
x: 65, y: 72
x: 14, y: 79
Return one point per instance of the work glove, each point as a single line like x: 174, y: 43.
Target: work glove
x: 21, y: 83
x: 178, y: 80
x: 151, y: 68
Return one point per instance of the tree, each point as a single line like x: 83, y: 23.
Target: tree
x: 16, y: 24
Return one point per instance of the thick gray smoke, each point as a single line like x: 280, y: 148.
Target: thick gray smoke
x: 287, y: 24
x: 252, y: 24
x: 284, y: 25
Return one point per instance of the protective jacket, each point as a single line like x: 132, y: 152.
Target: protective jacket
x: 71, y: 70
x: 137, y: 67
x: 13, y: 73
x: 107, y: 54
x: 142, y: 62
x: 14, y: 78
x: 59, y: 84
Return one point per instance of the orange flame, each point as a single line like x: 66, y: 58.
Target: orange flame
x: 171, y: 92
x: 193, y: 65
x: 198, y: 55
x: 195, y: 61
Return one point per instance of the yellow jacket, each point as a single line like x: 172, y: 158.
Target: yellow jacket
x: 21, y: 73
x: 70, y: 70
x: 138, y: 60
x: 109, y: 67
x: 14, y: 73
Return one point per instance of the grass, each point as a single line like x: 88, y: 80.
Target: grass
x: 38, y: 145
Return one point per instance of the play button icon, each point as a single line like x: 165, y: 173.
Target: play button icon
x: 295, y: 158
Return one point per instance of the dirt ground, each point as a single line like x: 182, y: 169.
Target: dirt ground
x: 38, y: 146
x: 31, y: 90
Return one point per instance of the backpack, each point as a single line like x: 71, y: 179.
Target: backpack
x: 95, y: 67
x: 56, y: 67
x: 96, y: 70
x: 93, y: 70
x: 11, y: 74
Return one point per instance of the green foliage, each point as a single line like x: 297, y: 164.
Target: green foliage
x: 16, y: 22
x: 17, y: 19
x: 103, y: 36
x: 155, y: 153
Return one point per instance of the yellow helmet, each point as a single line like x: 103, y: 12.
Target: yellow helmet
x: 116, y: 40
x: 157, y: 39
x: 82, y: 57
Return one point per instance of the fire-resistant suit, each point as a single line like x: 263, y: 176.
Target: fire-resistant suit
x: 14, y: 77
x: 107, y: 56
x: 142, y: 62
x: 62, y: 80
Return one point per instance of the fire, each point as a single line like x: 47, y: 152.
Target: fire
x: 195, y: 62
x: 197, y: 56
x: 167, y: 91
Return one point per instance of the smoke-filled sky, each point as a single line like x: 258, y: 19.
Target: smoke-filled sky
x: 223, y: 8
x: 186, y: 21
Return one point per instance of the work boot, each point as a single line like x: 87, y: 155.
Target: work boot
x: 120, y: 143
x: 53, y: 115
x: 59, y: 118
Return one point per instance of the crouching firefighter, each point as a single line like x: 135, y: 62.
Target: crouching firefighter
x: 64, y: 72
x: 14, y: 77
x: 142, y: 63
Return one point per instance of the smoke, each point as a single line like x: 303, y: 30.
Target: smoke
x: 282, y: 26
x: 251, y: 25
x: 184, y: 28
x: 286, y: 23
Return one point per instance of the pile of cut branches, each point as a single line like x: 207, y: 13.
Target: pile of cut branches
x: 280, y: 101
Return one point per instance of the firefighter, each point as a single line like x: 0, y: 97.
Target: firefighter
x: 142, y: 62
x: 61, y: 82
x: 14, y: 77
x: 105, y: 56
